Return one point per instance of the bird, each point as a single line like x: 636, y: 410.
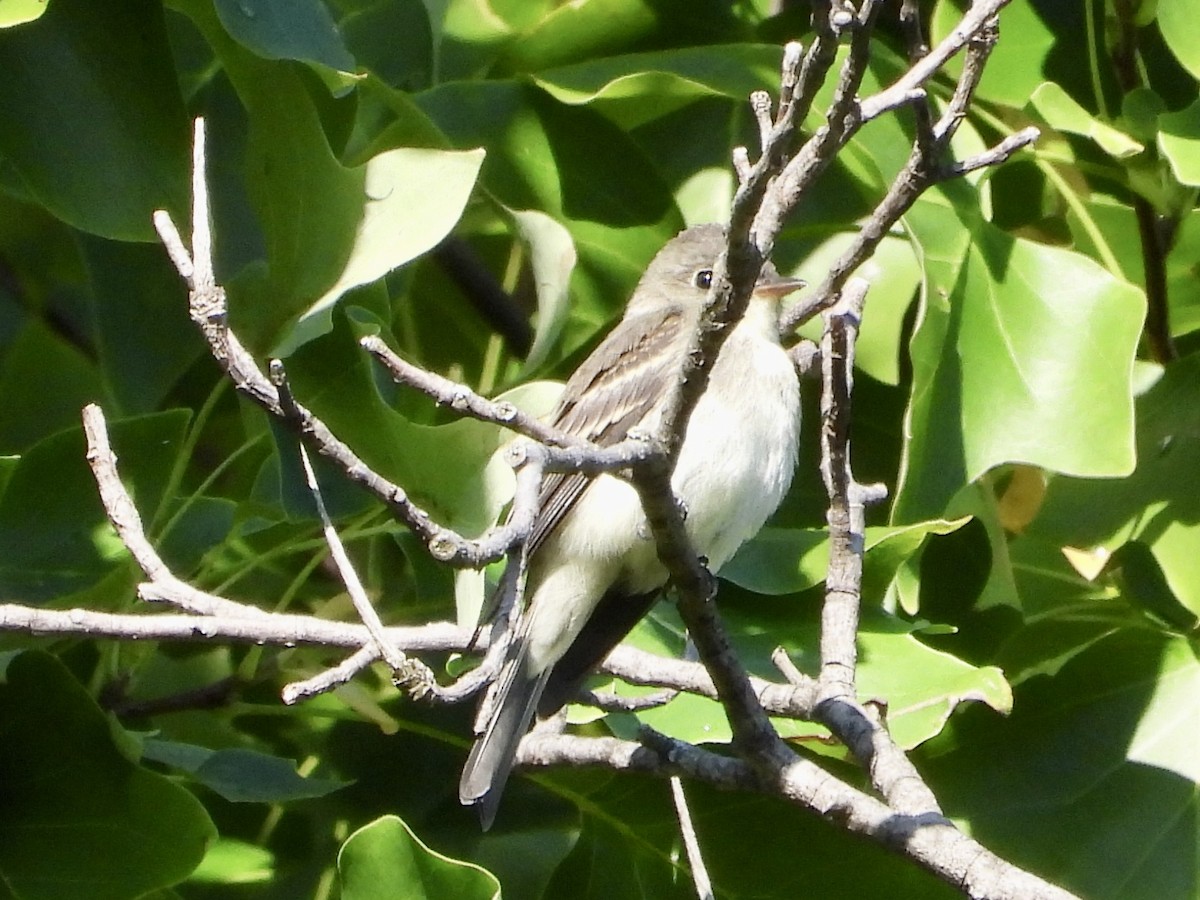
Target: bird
x: 593, y: 571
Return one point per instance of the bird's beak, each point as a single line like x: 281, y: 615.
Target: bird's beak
x: 772, y: 285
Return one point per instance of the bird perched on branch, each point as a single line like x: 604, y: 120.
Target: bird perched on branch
x: 593, y: 569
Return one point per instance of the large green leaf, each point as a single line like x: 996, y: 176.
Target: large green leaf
x: 385, y: 859
x: 789, y: 560
x: 1060, y: 111
x: 598, y: 28
x: 411, y: 200
x: 1023, y: 353
x: 18, y: 12
x: 628, y: 846
x: 445, y: 467
x: 1018, y: 63
x: 552, y: 260
x: 1183, y: 288
x: 1159, y: 504
x: 91, y: 117
x: 80, y: 819
x: 230, y: 861
x: 1092, y: 780
x: 1176, y: 19
x: 327, y: 228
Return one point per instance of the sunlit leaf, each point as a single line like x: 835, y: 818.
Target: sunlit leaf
x: 1179, y: 141
x: 1058, y: 109
x: 385, y: 859
x: 1175, y: 20
x: 1023, y: 353
x: 411, y: 200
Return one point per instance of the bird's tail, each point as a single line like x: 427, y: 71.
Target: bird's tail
x: 511, y: 702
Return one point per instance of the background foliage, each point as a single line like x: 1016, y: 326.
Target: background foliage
x: 1035, y: 420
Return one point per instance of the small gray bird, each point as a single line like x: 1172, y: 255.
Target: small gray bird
x: 593, y: 570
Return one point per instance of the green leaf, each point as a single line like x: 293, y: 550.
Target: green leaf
x: 91, y: 116
x: 45, y: 382
x: 1023, y: 353
x: 1183, y: 288
x: 587, y: 28
x: 286, y: 29
x: 393, y: 41
x: 1092, y: 780
x: 1059, y: 110
x: 575, y: 166
x: 634, y: 89
x: 385, y: 860
x: 1176, y: 19
x: 1159, y: 504
x: 894, y: 276
x: 17, y: 12
x: 468, y: 36
x: 780, y: 561
x: 80, y: 819
x: 328, y: 228
x: 412, y: 200
x: 1018, y: 64
x: 445, y: 467
x: 240, y: 775
x: 1114, y: 224
x: 308, y: 205
x: 230, y: 861
x: 144, y: 337
x: 552, y: 259
x: 1179, y: 141
x: 736, y: 830
x: 54, y: 535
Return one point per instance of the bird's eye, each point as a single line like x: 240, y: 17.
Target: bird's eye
x: 703, y: 279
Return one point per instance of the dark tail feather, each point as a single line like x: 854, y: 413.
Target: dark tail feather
x: 492, y: 757
x: 613, y: 618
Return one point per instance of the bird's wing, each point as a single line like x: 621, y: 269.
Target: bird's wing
x: 616, y: 388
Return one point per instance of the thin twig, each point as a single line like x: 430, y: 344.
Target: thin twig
x: 462, y: 399
x: 691, y: 843
x: 354, y: 587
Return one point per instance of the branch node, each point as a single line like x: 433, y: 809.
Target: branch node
x: 443, y: 547
x: 760, y: 105
x: 741, y: 164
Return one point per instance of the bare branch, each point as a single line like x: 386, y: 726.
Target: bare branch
x: 975, y: 20
x: 847, y: 524
x: 463, y: 400
x: 929, y: 839
x: 128, y: 524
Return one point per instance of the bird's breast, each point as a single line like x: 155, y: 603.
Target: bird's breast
x: 739, y: 451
